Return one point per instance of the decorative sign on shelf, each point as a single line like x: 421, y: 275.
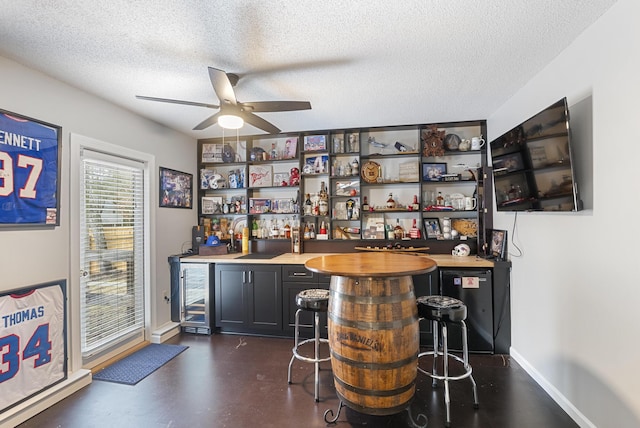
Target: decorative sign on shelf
x: 33, y: 341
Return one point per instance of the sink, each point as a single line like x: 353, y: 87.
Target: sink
x: 259, y: 256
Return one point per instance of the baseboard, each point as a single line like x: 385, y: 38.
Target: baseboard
x: 165, y: 332
x: 28, y: 409
x: 553, y: 392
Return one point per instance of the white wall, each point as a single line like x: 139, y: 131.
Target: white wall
x: 35, y: 256
x: 574, y: 290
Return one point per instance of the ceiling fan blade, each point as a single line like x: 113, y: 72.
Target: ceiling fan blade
x: 168, y: 100
x: 212, y: 120
x: 266, y: 106
x: 259, y: 122
x: 223, y: 87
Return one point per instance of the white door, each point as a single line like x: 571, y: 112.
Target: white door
x: 112, y: 228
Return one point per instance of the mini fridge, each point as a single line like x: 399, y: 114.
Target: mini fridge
x: 192, y: 296
x: 474, y: 287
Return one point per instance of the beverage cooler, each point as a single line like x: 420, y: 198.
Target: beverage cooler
x: 192, y: 295
x: 474, y: 287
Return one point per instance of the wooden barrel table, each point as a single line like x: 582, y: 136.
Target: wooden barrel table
x: 373, y: 327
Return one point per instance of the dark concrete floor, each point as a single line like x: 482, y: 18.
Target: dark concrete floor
x: 241, y: 381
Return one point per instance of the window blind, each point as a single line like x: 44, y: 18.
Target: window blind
x: 111, y: 250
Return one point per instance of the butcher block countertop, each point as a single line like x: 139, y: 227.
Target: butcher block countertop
x: 442, y: 260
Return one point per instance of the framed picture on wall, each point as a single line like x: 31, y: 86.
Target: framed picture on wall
x: 29, y: 171
x: 176, y: 189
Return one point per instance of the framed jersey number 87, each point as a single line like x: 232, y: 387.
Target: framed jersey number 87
x: 29, y: 171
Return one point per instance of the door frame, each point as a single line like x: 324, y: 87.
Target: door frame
x: 77, y: 143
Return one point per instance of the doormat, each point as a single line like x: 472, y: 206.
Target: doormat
x: 135, y: 367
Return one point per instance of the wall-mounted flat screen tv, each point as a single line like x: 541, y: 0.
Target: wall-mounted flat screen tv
x: 533, y: 168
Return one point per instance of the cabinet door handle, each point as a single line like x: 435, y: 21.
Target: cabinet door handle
x: 299, y: 274
x: 244, y: 276
x: 250, y: 276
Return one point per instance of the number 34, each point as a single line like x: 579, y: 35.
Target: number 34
x: 38, y: 346
x: 6, y: 175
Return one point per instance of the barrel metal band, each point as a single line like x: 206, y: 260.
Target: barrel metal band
x: 375, y: 393
x: 375, y: 366
x: 373, y: 300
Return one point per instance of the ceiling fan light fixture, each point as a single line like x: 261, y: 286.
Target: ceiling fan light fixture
x: 230, y: 121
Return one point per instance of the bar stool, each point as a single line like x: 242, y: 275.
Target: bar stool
x: 443, y: 310
x: 316, y: 300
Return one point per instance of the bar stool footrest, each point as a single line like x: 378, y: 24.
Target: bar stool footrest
x: 306, y: 359
x: 466, y: 374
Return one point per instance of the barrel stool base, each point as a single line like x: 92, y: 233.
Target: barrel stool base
x: 316, y: 300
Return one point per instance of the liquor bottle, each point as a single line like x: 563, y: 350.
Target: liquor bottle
x: 264, y: 229
x: 440, y: 199
x: 323, y: 201
x: 414, y: 232
x: 350, y: 203
x: 306, y: 232
x: 254, y: 229
x: 287, y: 229
x: 308, y: 206
x: 391, y: 203
x: 398, y: 231
x: 312, y: 231
x: 365, y: 205
x: 245, y: 240
x: 415, y: 206
x: 323, y: 228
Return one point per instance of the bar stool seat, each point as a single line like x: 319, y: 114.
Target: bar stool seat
x: 317, y: 301
x: 443, y: 310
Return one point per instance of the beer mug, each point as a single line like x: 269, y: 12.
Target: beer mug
x: 469, y: 203
x: 477, y: 143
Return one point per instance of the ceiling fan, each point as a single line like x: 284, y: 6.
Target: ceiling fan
x: 223, y: 84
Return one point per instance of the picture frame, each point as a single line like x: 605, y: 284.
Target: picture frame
x: 431, y: 227
x: 260, y: 176
x: 176, y: 189
x: 497, y: 243
x: 315, y: 143
x: 211, y: 205
x: 34, y: 200
x: 433, y: 171
x: 226, y: 152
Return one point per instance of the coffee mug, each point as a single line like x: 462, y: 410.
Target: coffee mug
x: 470, y: 203
x: 477, y: 143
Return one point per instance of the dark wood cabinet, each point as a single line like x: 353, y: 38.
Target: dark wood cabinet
x: 260, y: 299
x: 248, y: 298
x: 296, y: 278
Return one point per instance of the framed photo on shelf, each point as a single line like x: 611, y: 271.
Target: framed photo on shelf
x: 290, y: 148
x: 431, y: 228
x: 211, y: 204
x: 433, y: 171
x: 315, y: 143
x: 260, y: 176
x: 30, y: 173
x: 497, y: 243
x: 176, y: 189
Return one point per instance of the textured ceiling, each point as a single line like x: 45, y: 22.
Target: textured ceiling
x: 359, y: 62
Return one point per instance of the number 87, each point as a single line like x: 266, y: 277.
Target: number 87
x: 28, y: 191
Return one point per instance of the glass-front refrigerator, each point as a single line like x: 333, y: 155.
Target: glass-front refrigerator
x: 195, y: 298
